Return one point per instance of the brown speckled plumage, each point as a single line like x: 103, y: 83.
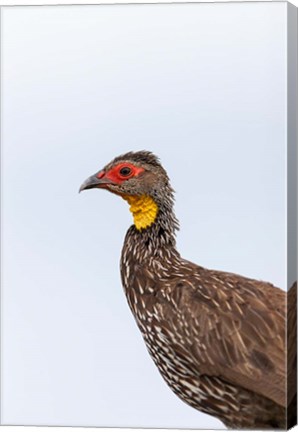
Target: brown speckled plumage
x: 217, y: 338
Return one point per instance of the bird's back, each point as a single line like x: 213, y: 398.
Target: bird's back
x: 217, y: 338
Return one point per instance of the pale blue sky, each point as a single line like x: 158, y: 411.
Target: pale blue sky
x: 201, y: 85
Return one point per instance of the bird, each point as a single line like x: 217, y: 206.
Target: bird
x: 218, y: 339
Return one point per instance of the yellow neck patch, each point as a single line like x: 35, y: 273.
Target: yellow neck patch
x: 143, y: 208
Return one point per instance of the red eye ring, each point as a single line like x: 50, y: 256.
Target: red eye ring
x: 125, y: 171
x: 118, y: 174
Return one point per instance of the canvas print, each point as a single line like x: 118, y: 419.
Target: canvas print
x: 170, y: 301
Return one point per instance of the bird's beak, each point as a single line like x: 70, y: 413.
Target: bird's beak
x: 95, y: 182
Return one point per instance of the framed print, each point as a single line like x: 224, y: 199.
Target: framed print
x: 186, y: 113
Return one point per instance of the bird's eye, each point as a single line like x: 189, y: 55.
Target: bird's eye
x: 125, y: 171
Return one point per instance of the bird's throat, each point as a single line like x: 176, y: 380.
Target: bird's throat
x: 144, y: 210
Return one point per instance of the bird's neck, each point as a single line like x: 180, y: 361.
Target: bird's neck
x: 154, y: 231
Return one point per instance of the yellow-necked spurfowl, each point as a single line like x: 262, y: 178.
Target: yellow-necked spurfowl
x: 217, y: 338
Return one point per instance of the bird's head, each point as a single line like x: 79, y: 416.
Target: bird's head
x: 140, y: 179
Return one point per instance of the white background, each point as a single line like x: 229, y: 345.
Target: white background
x: 62, y: 123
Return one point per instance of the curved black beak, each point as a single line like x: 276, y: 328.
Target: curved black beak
x: 94, y: 182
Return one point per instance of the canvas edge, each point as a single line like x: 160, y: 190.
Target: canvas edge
x: 1, y: 254
x: 12, y: 3
x: 292, y: 111
x: 292, y: 136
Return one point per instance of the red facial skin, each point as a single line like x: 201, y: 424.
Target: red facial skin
x: 115, y: 176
